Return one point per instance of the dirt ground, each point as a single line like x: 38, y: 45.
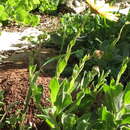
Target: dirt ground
x: 14, y: 81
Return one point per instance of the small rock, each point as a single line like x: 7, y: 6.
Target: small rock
x: 14, y: 41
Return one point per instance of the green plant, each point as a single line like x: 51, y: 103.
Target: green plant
x: 71, y: 24
x: 33, y: 74
x: 1, y: 107
x: 20, y: 10
x: 74, y: 112
x: 63, y: 109
x: 115, y: 111
x: 61, y: 97
x: 11, y: 120
x: 51, y: 117
x: 72, y: 99
x: 49, y: 5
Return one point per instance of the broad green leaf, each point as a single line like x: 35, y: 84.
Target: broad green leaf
x: 64, y: 85
x: 12, y: 3
x: 36, y: 1
x: 47, y: 6
x: 106, y: 115
x: 127, y: 94
x: 1, y: 104
x: 35, y: 20
x: 61, y: 66
x: 2, y: 9
x: 3, y: 14
x: 27, y: 20
x: 37, y: 91
x: 83, y: 122
x: 21, y: 14
x: 113, y: 96
x: 49, y: 120
x: 85, y: 103
x: 68, y: 121
x: 66, y: 100
x: 54, y: 88
x: 123, y: 68
x: 127, y: 97
x: 79, y: 97
x: 63, y: 101
x: 76, y: 105
x: 125, y: 119
x: 107, y: 118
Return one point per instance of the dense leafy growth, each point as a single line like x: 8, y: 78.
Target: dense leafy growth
x: 20, y: 10
x: 95, y: 94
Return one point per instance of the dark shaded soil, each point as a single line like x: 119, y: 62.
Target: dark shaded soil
x: 14, y: 81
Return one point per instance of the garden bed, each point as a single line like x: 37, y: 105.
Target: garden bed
x: 14, y: 74
x: 14, y: 82
x: 95, y: 88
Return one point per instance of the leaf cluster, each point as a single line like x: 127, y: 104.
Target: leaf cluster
x: 20, y: 10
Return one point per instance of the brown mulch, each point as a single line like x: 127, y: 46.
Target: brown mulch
x: 47, y: 23
x: 15, y: 82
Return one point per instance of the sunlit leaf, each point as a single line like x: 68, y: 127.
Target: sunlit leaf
x: 83, y: 122
x: 68, y: 121
x: 49, y: 120
x: 114, y: 93
x: 37, y: 92
x: 54, y: 87
x: 127, y: 97
x: 106, y: 115
x: 125, y: 119
x: 36, y: 1
x: 61, y: 66
x: 64, y: 99
x: 21, y: 14
x: 107, y: 118
x: 3, y: 14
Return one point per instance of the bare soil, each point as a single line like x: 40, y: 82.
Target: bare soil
x: 14, y: 81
